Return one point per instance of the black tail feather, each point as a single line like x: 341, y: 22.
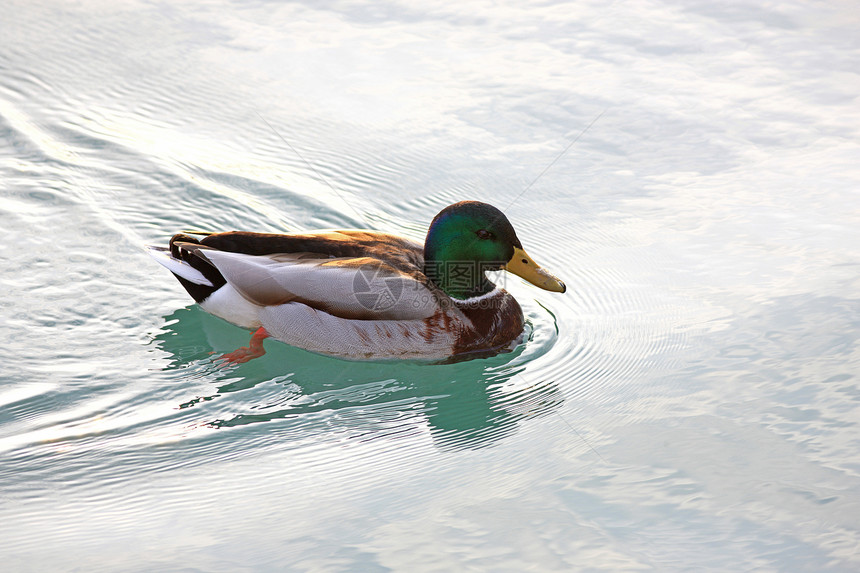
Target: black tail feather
x: 185, y: 247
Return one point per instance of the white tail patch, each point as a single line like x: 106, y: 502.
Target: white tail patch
x: 176, y: 266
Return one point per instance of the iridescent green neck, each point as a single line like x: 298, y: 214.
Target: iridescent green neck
x: 460, y: 279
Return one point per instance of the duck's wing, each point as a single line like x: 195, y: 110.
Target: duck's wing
x: 398, y: 252
x: 362, y: 288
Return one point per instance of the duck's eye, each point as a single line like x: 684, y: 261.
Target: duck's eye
x: 484, y: 234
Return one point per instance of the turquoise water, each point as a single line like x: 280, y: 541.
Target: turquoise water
x: 691, y: 171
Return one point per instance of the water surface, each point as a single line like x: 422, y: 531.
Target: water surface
x: 690, y: 170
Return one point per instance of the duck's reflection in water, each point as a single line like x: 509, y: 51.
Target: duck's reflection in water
x: 464, y: 405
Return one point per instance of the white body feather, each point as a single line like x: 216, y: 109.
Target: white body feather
x: 300, y: 325
x: 227, y: 303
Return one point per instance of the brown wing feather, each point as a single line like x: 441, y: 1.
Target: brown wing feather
x: 402, y: 254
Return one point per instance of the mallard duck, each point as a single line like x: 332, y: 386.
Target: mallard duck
x: 359, y: 294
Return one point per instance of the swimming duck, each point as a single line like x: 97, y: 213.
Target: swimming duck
x: 359, y: 294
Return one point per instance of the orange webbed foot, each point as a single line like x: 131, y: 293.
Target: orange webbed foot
x: 253, y: 350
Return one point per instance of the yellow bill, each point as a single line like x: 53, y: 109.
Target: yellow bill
x: 523, y: 266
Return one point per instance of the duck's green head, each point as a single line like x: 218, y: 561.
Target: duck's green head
x: 467, y: 238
